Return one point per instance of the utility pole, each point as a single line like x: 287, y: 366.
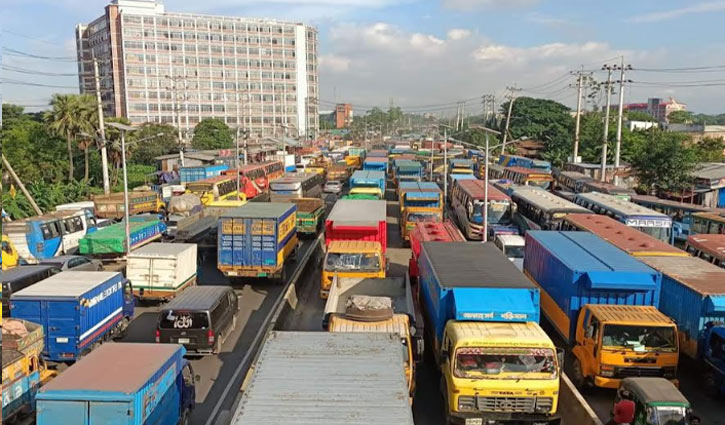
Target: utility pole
x: 101, y: 128
x: 580, y: 86
x: 621, y: 68
x: 20, y: 184
x: 606, y: 121
x: 508, y: 116
x: 463, y: 115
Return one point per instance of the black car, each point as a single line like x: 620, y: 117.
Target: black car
x: 201, y: 318
x: 20, y: 277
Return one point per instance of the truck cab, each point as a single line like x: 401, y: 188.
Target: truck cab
x: 617, y: 341
x: 351, y: 259
x: 513, y: 248
x: 499, y: 372
x: 714, y: 358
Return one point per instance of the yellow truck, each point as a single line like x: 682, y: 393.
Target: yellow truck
x: 112, y: 205
x: 351, y: 259
x: 10, y: 257
x: 419, y: 202
x: 371, y: 305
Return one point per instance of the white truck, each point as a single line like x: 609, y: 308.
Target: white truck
x: 513, y: 247
x: 160, y: 271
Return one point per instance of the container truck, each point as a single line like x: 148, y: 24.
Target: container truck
x: 326, y: 378
x: 357, y: 220
x: 351, y: 259
x: 201, y: 172
x: 339, y: 172
x: 429, y: 232
x: 365, y: 182
x: 603, y: 302
x: 376, y: 164
x: 78, y: 311
x: 375, y: 306
x: 112, y: 205
x: 255, y: 240
x: 481, y: 326
x: 129, y: 384
x: 111, y: 240
x: 161, y: 271
x: 310, y: 214
x: 422, y: 202
x: 693, y: 294
x: 356, y: 152
x: 407, y: 170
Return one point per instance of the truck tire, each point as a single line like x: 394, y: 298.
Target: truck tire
x: 577, y: 374
x: 446, y: 410
x: 185, y: 417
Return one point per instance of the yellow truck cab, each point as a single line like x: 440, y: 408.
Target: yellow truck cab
x: 351, y: 259
x: 614, y: 342
x: 10, y: 257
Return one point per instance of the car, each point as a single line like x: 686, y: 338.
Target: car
x: 333, y: 186
x: 513, y: 247
x: 74, y: 262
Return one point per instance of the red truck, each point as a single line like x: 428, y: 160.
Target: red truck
x: 429, y: 232
x: 358, y: 220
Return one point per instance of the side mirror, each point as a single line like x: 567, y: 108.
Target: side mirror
x: 197, y: 378
x: 589, y: 332
x: 419, y: 347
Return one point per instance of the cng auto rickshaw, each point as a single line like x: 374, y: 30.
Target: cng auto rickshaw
x: 656, y: 402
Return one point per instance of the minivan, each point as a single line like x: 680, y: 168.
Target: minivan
x: 200, y: 319
x: 20, y: 277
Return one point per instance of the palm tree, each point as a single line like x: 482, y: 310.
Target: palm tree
x: 63, y: 120
x: 86, y: 106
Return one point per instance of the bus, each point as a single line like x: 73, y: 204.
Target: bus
x: 461, y: 166
x: 467, y: 201
x: 708, y: 247
x: 508, y: 160
x: 653, y: 223
x: 607, y: 188
x: 219, y: 188
x: 495, y: 171
x: 626, y: 238
x: 680, y: 213
x: 538, y: 209
x: 49, y: 235
x: 570, y: 181
x: 296, y: 185
x: 528, y: 177
x: 255, y: 178
x: 708, y: 222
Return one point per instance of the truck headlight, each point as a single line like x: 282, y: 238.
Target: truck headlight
x: 466, y: 403
x: 606, y: 371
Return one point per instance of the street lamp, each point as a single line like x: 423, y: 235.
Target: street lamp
x: 445, y: 166
x: 484, y: 237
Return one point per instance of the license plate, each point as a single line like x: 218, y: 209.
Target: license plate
x: 61, y: 340
x: 474, y: 421
x: 183, y: 340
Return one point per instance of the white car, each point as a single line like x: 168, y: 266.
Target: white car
x: 513, y: 247
x: 333, y: 186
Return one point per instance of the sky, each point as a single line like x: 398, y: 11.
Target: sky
x: 426, y: 55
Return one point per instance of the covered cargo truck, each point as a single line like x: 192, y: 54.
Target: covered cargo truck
x: 373, y: 305
x: 357, y: 220
x: 112, y: 205
x: 129, y: 384
x: 160, y: 271
x: 419, y: 202
x: 481, y: 326
x: 201, y: 172
x: 364, y: 182
x: 351, y: 259
x: 326, y: 378
x: 255, y: 239
x: 376, y: 164
x: 77, y: 310
x: 603, y: 302
x: 111, y: 240
x: 310, y: 214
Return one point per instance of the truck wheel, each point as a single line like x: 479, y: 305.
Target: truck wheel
x: 123, y: 329
x: 710, y: 384
x: 578, y: 374
x: 446, y: 409
x: 185, y: 418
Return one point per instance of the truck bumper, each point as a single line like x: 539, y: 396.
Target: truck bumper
x: 479, y: 418
x: 602, y: 382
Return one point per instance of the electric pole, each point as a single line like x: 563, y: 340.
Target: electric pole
x: 577, y: 137
x: 621, y: 68
x: 511, y: 97
x: 606, y: 121
x: 101, y: 127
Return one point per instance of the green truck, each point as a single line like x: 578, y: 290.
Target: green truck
x: 111, y: 240
x: 310, y: 214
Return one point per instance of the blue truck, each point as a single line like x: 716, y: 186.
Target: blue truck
x: 201, y: 172
x: 481, y: 319
x: 407, y: 170
x: 603, y: 302
x: 255, y: 239
x: 376, y: 163
x: 124, y: 384
x: 368, y: 182
x: 77, y: 309
x: 693, y: 294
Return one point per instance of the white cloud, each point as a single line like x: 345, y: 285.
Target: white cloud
x: 539, y: 18
x: 467, y: 5
x: 713, y: 6
x: 458, y: 34
x: 334, y: 63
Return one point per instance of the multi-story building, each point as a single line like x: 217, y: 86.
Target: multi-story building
x: 343, y: 115
x: 180, y: 68
x: 658, y: 108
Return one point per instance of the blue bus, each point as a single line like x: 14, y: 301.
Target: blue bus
x: 49, y: 235
x: 508, y: 160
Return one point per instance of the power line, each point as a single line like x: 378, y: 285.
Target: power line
x: 13, y: 52
x: 14, y: 82
x: 16, y: 34
x: 27, y: 71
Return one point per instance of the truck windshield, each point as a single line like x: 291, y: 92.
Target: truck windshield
x: 667, y: 415
x: 505, y: 363
x: 515, y: 251
x: 184, y: 320
x: 340, y: 262
x: 661, y: 233
x: 639, y: 338
x: 421, y: 217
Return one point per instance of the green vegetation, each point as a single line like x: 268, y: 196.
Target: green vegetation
x: 212, y: 133
x: 680, y: 117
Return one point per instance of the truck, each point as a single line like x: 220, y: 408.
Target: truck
x: 481, y: 319
x: 356, y: 152
x: 336, y: 378
x: 339, y: 172
x: 254, y: 240
x: 419, y: 203
x: 357, y: 220
x: 111, y: 241
x: 693, y: 295
x: 124, y: 383
x: 112, y: 205
x: 10, y: 257
x: 351, y: 259
x: 429, y: 232
x: 603, y: 303
x: 407, y: 170
x: 201, y: 172
x: 376, y: 163
x: 310, y: 215
x: 78, y: 311
x: 161, y: 271
x: 24, y: 370
x: 364, y: 182
x: 375, y: 306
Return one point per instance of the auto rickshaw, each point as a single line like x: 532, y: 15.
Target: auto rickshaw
x: 656, y: 402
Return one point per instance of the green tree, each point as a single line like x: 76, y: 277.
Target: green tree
x: 680, y: 117
x: 70, y: 116
x: 592, y: 129
x: 212, y: 133
x: 710, y: 149
x: 665, y: 161
x: 113, y: 145
x: 639, y: 116
x: 160, y: 145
